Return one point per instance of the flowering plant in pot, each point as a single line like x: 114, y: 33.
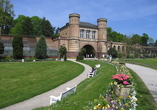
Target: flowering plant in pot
x: 122, y: 79
x: 122, y: 84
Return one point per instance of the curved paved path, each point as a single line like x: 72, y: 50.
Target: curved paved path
x: 44, y: 99
x: 149, y: 77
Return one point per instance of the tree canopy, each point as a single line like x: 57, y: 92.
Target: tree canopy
x: 6, y: 16
x: 114, y: 36
x: 22, y: 26
x: 33, y: 26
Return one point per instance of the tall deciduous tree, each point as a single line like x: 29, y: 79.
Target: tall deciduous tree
x: 22, y: 26
x: 114, y: 36
x: 17, y: 47
x: 135, y: 39
x: 41, y: 48
x: 112, y: 52
x: 6, y: 15
x: 144, y: 39
x: 36, y: 22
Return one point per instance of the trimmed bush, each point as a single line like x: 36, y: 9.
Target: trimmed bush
x: 80, y: 57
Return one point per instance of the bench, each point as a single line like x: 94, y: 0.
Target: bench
x: 54, y: 99
x: 89, y: 75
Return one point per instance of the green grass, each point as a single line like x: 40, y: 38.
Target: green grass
x: 91, y: 88
x: 149, y: 62
x: 21, y: 81
x: 88, y: 90
x: 145, y: 99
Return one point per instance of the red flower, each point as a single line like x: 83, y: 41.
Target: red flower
x: 125, y: 82
x: 121, y: 78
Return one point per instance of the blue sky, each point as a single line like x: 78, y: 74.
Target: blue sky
x: 124, y: 16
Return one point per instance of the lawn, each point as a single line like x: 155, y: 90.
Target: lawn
x: 91, y: 88
x: 88, y: 90
x: 148, y: 62
x: 21, y: 81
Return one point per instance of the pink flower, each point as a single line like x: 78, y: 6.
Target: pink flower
x: 125, y: 82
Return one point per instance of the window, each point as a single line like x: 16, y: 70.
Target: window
x: 122, y: 48
x: 81, y: 33
x: 119, y: 48
x: 93, y: 34
x: 88, y: 34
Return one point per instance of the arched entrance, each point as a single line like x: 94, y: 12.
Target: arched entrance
x: 90, y: 52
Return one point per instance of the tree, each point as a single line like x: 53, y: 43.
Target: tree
x: 17, y: 47
x: 63, y: 52
x: 46, y: 28
x: 6, y: 16
x: 56, y: 33
x: 135, y: 39
x: 144, y: 39
x: 156, y: 43
x: 36, y: 22
x: 1, y: 48
x: 151, y: 40
x: 112, y: 52
x: 114, y: 36
x: 22, y: 26
x: 41, y: 48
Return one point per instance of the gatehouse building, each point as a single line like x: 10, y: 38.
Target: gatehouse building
x: 75, y: 35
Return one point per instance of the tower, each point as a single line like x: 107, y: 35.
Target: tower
x: 102, y: 37
x: 74, y: 21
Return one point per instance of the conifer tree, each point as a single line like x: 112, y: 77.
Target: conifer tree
x: 17, y: 47
x: 41, y: 48
x: 1, y: 48
x: 156, y: 43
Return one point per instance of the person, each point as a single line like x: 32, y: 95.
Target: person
x: 93, y: 69
x: 110, y: 57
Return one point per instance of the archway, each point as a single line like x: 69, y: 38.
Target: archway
x: 90, y: 52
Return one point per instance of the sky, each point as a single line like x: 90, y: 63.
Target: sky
x: 127, y: 17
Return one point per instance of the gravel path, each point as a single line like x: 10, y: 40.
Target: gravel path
x: 149, y: 77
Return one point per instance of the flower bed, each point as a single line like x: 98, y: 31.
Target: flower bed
x: 115, y: 99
